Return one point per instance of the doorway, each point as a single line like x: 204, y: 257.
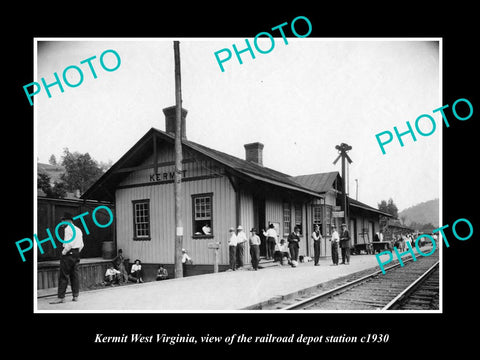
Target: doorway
x: 259, y: 222
x: 371, y: 231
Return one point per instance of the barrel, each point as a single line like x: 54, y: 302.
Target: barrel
x: 108, y: 250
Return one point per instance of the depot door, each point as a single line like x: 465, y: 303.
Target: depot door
x: 371, y: 231
x: 260, y: 222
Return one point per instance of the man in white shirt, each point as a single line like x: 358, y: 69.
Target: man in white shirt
x: 335, y: 240
x: 70, y: 260
x: 380, y: 236
x: 232, y: 248
x: 284, y: 252
x: 186, y: 260
x: 112, y: 275
x: 317, y: 237
x: 271, y: 235
x: 241, y: 239
x: 254, y: 248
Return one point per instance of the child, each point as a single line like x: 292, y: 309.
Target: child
x: 162, y: 273
x: 283, y: 249
x: 111, y: 275
x: 136, y: 272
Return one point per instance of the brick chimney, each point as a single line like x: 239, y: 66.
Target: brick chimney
x: 170, y: 119
x: 254, y: 152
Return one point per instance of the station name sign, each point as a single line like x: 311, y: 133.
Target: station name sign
x: 166, y: 176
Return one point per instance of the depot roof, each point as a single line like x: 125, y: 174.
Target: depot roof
x: 104, y: 187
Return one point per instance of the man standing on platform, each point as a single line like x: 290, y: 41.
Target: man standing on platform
x: 232, y: 249
x: 317, y: 237
x: 345, y: 245
x: 70, y: 260
x: 241, y: 239
x: 254, y: 248
x: 335, y: 240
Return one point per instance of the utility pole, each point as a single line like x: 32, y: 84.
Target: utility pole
x: 356, y: 191
x: 342, y: 151
x: 178, y: 165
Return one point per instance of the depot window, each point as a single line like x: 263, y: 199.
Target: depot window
x: 298, y: 217
x: 202, y: 207
x: 141, y: 219
x: 317, y: 216
x: 287, y: 218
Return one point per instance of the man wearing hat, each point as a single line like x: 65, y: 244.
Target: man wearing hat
x: 293, y: 245
x: 241, y: 239
x: 70, y: 260
x: 185, y: 261
x: 317, y: 237
x: 254, y: 248
x: 232, y: 248
x: 335, y: 240
x: 345, y: 245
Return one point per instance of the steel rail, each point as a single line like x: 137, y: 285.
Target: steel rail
x: 339, y: 288
x: 412, y: 287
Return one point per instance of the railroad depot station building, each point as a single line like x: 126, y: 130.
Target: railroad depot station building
x: 222, y: 191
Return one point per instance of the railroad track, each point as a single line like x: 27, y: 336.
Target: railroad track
x: 415, y: 286
x: 422, y: 295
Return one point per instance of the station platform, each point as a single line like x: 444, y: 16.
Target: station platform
x: 224, y: 291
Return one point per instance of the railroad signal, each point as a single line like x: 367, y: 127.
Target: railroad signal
x: 342, y: 153
x: 342, y: 150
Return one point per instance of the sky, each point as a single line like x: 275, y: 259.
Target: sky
x: 300, y: 100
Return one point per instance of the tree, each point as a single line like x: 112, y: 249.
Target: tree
x: 426, y: 228
x: 389, y: 207
x: 52, y: 160
x: 43, y: 183
x: 81, y: 171
x: 58, y: 190
x: 104, y: 166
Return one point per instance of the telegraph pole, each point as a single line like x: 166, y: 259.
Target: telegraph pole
x: 178, y: 165
x: 356, y: 191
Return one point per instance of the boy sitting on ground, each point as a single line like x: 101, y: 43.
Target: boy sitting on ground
x: 112, y: 276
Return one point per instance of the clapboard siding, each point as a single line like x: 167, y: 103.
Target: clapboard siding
x: 274, y: 213
x: 160, y: 248
x: 246, y: 220
x: 91, y: 273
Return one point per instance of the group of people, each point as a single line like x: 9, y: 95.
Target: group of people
x: 400, y: 241
x: 238, y: 239
x: 236, y: 248
x: 338, y: 240
x: 283, y: 250
x: 341, y: 240
x: 117, y: 272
